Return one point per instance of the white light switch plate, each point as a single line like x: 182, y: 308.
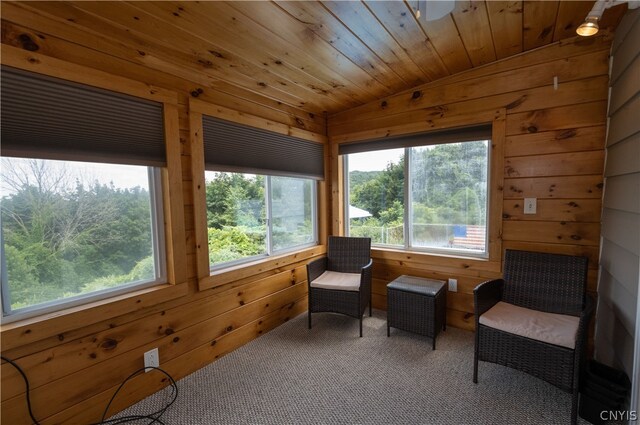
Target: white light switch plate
x: 530, y: 205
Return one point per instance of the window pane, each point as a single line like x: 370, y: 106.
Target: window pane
x: 236, y: 216
x: 292, y: 212
x: 73, y: 228
x: 376, y: 196
x: 449, y: 196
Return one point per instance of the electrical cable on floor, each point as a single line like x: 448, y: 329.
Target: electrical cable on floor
x: 153, y: 417
x: 26, y: 384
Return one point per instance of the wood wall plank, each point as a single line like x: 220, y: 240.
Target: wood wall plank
x: 553, y: 150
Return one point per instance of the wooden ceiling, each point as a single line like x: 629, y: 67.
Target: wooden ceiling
x: 325, y: 56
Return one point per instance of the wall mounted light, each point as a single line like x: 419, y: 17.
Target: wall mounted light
x: 590, y: 25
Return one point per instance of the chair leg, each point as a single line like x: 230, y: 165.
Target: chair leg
x: 309, y: 314
x: 574, y: 407
x: 370, y: 303
x: 475, y: 357
x: 360, y: 326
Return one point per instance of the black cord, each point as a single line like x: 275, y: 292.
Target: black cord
x: 153, y: 417
x: 26, y: 384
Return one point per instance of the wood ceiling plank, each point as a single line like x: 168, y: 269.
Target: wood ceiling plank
x: 473, y: 24
x: 329, y: 73
x: 506, y: 27
x: 295, y: 33
x: 355, y: 16
x: 612, y: 17
x: 216, y: 21
x: 319, y: 20
x: 58, y: 40
x: 570, y: 15
x: 160, y: 51
x: 445, y: 38
x: 539, y: 21
x: 399, y: 21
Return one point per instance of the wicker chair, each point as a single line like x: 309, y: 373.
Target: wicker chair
x: 538, y: 284
x: 341, y: 281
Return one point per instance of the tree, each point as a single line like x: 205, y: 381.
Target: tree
x: 62, y: 230
x: 380, y: 192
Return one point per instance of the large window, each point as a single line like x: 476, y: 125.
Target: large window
x: 251, y: 216
x: 431, y: 198
x: 75, y: 231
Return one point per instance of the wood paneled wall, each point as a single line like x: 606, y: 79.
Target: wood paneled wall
x: 616, y: 333
x: 74, y: 373
x: 553, y: 151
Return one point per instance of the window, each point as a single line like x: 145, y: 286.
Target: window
x: 77, y: 231
x: 251, y: 216
x: 441, y: 205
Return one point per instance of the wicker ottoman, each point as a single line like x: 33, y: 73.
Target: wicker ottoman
x: 417, y: 305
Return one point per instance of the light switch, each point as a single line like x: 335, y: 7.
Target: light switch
x: 530, y: 205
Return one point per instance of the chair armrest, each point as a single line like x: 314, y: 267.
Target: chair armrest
x: 365, y: 273
x: 315, y: 268
x: 486, y: 295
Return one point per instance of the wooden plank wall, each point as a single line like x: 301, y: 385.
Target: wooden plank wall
x: 74, y: 374
x: 553, y: 151
x: 615, y: 338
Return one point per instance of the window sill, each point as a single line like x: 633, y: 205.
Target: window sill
x: 262, y: 266
x: 36, y: 328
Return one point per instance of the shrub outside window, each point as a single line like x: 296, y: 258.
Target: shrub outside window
x: 74, y: 232
x: 441, y: 206
x: 252, y: 216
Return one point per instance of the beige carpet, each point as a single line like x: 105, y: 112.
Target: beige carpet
x: 328, y: 375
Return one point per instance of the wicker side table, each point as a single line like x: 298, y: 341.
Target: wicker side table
x: 417, y: 305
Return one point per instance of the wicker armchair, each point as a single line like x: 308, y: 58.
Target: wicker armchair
x: 541, y: 286
x: 341, y: 281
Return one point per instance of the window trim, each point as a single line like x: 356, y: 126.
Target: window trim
x: 407, y: 211
x: 493, y: 262
x: 270, y: 251
x: 46, y: 325
x: 206, y: 278
x: 160, y: 267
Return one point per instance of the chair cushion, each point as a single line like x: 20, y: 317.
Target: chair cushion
x: 338, y: 281
x: 552, y: 328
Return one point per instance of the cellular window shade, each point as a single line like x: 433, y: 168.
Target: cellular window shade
x: 463, y: 134
x: 239, y: 148
x: 50, y: 118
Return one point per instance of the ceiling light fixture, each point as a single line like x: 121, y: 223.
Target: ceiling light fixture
x: 590, y: 25
x: 432, y: 10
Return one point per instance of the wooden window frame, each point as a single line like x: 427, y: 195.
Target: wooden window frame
x: 208, y: 279
x: 32, y: 329
x: 485, y: 266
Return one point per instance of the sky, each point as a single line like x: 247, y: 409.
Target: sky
x: 122, y: 176
x: 375, y: 160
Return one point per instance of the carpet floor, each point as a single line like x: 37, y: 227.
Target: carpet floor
x: 328, y: 375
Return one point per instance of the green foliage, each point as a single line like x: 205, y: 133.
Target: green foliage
x: 447, y: 185
x: 60, y: 239
x: 233, y: 243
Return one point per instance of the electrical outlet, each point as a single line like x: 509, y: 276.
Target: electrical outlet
x: 151, y: 359
x: 530, y: 205
x: 453, y: 285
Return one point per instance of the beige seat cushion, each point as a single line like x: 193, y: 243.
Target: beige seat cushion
x: 556, y: 329
x: 336, y: 280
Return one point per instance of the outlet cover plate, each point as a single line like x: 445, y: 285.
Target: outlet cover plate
x: 453, y: 285
x: 151, y: 359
